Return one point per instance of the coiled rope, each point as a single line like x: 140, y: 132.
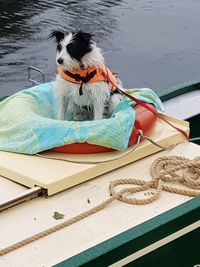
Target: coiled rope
x: 167, y: 172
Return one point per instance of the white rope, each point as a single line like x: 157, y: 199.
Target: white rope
x: 155, y: 143
x: 140, y: 137
x: 96, y: 161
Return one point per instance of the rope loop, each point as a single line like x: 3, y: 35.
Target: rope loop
x: 127, y: 195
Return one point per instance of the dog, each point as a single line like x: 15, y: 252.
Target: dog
x: 84, y: 87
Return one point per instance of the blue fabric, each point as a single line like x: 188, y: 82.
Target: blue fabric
x: 28, y: 122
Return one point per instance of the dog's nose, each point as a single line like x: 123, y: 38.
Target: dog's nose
x: 60, y: 60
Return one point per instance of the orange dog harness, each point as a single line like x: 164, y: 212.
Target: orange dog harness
x: 89, y: 75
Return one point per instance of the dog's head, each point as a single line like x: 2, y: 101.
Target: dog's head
x: 76, y: 50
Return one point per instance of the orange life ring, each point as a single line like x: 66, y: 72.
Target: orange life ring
x: 144, y: 120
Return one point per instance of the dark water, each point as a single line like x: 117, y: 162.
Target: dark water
x: 149, y: 43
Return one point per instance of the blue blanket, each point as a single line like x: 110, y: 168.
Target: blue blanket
x: 28, y: 122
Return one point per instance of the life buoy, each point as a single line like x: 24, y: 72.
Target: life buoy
x: 144, y: 120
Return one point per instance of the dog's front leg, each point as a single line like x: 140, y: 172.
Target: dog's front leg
x: 65, y: 109
x: 62, y: 108
x: 69, y: 114
x: 98, y: 109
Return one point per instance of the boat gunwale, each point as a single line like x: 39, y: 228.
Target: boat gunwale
x: 180, y: 89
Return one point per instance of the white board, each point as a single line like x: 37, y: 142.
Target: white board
x: 58, y: 175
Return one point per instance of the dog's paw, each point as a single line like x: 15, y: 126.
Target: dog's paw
x: 80, y: 117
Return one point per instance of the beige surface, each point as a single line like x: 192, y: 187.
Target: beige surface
x: 56, y: 175
x: 34, y: 216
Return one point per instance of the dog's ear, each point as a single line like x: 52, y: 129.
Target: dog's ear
x: 58, y: 35
x: 87, y: 37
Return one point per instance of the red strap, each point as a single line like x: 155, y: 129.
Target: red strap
x: 139, y: 102
x: 155, y: 113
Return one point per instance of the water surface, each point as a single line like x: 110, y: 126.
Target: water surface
x: 149, y: 43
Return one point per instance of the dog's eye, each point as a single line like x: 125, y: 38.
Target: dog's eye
x: 59, y: 47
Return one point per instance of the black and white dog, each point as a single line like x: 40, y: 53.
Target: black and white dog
x: 84, y: 87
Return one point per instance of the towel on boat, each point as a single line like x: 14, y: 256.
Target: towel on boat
x: 28, y: 122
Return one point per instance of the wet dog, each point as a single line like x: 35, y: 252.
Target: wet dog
x: 85, y: 87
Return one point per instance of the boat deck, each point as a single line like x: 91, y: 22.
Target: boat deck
x: 97, y: 234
